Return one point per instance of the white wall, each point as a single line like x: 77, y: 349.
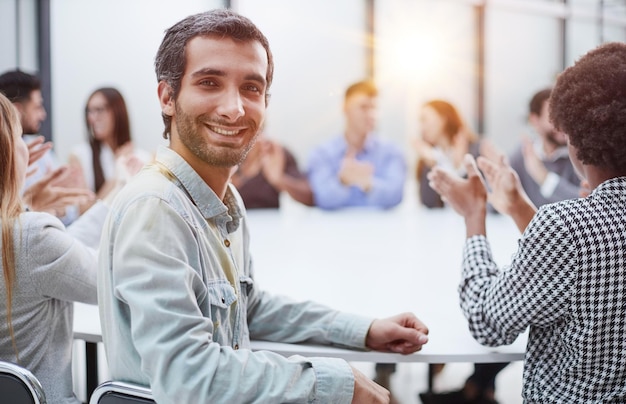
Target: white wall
x: 424, y: 50
x: 7, y: 30
x: 110, y: 43
x: 317, y: 54
x: 522, y: 57
x: 18, y: 37
x: 319, y: 49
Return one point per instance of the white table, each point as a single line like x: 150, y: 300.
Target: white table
x: 376, y: 263
x: 380, y: 264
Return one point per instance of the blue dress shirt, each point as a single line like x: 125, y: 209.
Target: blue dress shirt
x: 389, y: 175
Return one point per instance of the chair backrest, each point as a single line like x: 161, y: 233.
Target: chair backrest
x: 18, y: 385
x: 114, y: 392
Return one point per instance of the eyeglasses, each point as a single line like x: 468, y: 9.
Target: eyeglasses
x: 97, y: 110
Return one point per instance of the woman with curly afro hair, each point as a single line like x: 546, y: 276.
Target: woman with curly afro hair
x: 567, y: 281
x: 590, y: 106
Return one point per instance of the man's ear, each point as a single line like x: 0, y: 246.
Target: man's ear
x: 20, y: 109
x: 533, y: 119
x: 166, y: 98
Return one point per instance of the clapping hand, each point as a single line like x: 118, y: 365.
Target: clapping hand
x: 507, y: 195
x: 37, y: 148
x: 533, y: 164
x: 46, y: 195
x: 272, y: 162
x: 425, y: 151
x: 467, y: 196
x: 506, y: 188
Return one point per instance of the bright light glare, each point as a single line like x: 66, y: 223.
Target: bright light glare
x: 423, y: 56
x: 433, y: 54
x: 413, y: 57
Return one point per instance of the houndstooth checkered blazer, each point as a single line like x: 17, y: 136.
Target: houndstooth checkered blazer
x: 567, y: 282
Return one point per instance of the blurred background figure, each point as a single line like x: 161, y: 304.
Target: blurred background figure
x: 358, y: 168
x: 543, y: 164
x: 443, y: 141
x: 109, y: 152
x: 24, y: 91
x: 268, y: 170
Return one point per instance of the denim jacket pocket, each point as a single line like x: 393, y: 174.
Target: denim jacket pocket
x: 221, y: 294
x: 221, y: 298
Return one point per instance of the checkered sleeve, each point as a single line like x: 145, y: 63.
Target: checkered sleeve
x: 533, y: 290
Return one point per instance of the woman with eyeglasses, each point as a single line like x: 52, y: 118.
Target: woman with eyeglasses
x: 108, y: 155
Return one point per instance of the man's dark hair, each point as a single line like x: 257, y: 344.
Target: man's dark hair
x: 17, y: 85
x: 588, y: 103
x: 171, y: 60
x: 536, y: 103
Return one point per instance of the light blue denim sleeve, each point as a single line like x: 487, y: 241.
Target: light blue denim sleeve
x: 331, y: 387
x: 307, y: 322
x: 155, y: 297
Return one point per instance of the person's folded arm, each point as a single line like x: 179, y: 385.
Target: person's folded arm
x: 388, y: 183
x: 328, y: 191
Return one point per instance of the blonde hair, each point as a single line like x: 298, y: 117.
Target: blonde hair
x: 366, y: 87
x: 10, y: 199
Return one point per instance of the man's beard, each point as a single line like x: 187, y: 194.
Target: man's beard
x: 30, y: 129
x: 190, y: 133
x: 552, y: 138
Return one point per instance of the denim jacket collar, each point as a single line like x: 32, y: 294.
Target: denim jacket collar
x: 227, y: 212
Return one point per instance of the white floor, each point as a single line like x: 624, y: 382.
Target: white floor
x: 411, y: 379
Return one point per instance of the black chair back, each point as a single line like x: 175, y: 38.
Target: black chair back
x: 19, y: 386
x: 113, y: 392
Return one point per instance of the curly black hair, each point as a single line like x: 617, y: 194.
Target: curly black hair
x: 588, y: 103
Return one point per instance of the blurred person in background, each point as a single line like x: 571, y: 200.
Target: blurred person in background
x: 45, y: 172
x: 109, y: 149
x: 268, y: 170
x: 358, y: 168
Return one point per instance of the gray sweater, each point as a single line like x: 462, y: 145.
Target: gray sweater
x: 568, y: 186
x: 53, y: 269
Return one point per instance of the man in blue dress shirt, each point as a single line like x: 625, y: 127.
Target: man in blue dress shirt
x: 358, y: 168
